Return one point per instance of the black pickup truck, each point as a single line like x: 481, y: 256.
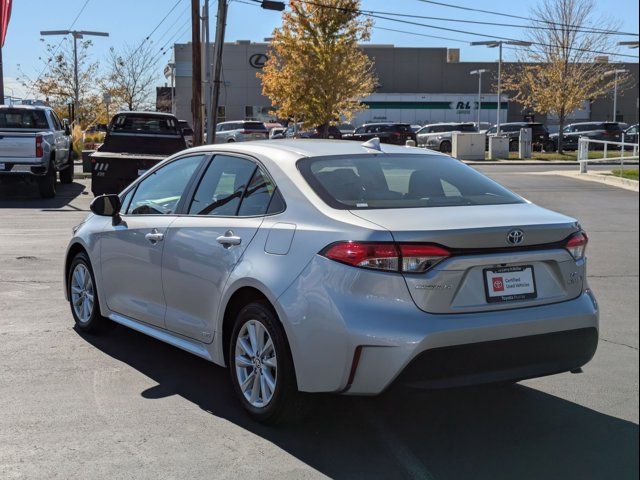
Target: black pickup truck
x: 135, y: 142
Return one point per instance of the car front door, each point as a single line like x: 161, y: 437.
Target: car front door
x: 131, y: 250
x: 204, y: 246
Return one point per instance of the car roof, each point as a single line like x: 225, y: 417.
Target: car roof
x: 143, y: 113
x: 295, y: 149
x: 27, y: 107
x: 448, y: 123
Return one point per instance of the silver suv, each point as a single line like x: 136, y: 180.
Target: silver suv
x: 241, y: 131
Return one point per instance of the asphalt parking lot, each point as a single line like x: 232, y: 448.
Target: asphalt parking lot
x: 127, y: 406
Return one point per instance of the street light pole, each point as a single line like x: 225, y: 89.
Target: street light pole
x: 479, y: 73
x: 615, y: 74
x: 76, y: 34
x: 499, y: 44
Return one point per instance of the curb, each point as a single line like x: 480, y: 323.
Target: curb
x: 539, y: 162
x: 624, y: 183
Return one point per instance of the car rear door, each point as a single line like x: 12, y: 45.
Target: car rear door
x: 131, y: 250
x: 204, y: 245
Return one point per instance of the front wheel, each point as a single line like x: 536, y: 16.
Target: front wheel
x: 445, y: 146
x: 260, y: 364
x: 66, y: 175
x: 83, y: 296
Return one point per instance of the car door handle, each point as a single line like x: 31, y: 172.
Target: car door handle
x: 154, y: 237
x: 229, y: 239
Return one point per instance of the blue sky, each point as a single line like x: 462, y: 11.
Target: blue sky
x: 130, y: 21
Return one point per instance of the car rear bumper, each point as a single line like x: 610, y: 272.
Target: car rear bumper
x: 351, y: 333
x: 23, y: 167
x: 501, y: 360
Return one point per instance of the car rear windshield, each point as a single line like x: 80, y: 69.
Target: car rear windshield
x: 19, y: 118
x: 254, y: 126
x: 612, y: 127
x: 357, y: 182
x: 145, y: 124
x: 401, y: 128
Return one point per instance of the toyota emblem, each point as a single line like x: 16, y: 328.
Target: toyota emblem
x: 515, y: 237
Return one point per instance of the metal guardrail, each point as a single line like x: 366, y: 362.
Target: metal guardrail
x: 621, y: 148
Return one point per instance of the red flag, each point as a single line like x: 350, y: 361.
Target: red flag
x: 5, y: 15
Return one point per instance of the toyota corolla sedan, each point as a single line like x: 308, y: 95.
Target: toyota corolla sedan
x: 328, y: 266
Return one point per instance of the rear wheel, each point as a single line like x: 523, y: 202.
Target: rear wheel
x: 445, y: 146
x: 47, y: 183
x: 513, y: 145
x: 261, y: 367
x: 231, y: 140
x: 83, y: 296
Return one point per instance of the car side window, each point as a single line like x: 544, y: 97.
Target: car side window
x: 222, y: 186
x: 359, y: 130
x: 160, y: 192
x: 257, y: 196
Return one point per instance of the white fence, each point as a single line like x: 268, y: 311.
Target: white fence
x: 609, y: 152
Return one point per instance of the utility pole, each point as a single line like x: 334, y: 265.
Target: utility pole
x: 221, y: 23
x: 1, y: 79
x: 206, y: 68
x: 196, y: 73
x: 76, y: 34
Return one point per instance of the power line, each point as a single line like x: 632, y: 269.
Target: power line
x: 519, y: 17
x: 435, y: 27
x: 146, y: 39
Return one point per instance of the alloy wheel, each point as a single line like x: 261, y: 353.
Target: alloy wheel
x: 256, y: 363
x: 82, y: 292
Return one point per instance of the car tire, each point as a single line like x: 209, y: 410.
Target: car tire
x: 83, y: 296
x: 231, y: 140
x: 445, y: 146
x: 264, y: 383
x: 47, y: 183
x: 513, y: 145
x: 66, y: 175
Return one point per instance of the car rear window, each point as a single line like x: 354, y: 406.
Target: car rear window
x: 19, y: 118
x: 400, y: 181
x: 145, y: 124
x: 254, y: 126
x: 612, y: 127
x: 402, y: 128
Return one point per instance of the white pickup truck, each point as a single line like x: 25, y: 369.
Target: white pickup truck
x: 34, y: 144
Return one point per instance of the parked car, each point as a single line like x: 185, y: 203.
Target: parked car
x: 539, y: 135
x: 323, y: 266
x: 631, y: 134
x: 571, y: 134
x: 277, y: 133
x: 333, y: 133
x: 241, y: 131
x: 36, y: 145
x: 482, y: 127
x: 135, y: 142
x: 415, y: 127
x: 394, y: 133
x: 346, y: 128
x: 438, y: 136
x: 187, y: 132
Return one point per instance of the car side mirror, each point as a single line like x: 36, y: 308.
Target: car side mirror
x: 106, y: 205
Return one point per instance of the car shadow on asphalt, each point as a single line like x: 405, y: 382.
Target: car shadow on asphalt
x: 480, y: 433
x: 21, y: 194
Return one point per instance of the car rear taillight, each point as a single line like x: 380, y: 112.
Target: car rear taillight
x: 39, y: 152
x: 418, y: 258
x: 390, y: 257
x: 577, y: 244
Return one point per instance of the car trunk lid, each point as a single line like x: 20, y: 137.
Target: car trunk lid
x: 477, y: 238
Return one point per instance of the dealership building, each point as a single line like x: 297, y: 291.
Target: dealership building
x: 415, y: 85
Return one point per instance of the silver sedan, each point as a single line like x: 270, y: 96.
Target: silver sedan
x: 328, y: 266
